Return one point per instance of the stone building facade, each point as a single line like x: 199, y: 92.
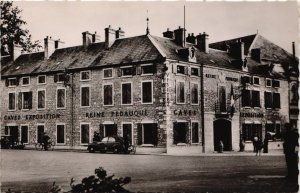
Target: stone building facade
x: 166, y: 94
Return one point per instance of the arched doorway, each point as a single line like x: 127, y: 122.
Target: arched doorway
x: 222, y: 132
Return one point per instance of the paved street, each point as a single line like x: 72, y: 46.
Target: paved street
x: 30, y: 170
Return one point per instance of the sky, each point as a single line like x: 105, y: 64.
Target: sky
x: 276, y: 21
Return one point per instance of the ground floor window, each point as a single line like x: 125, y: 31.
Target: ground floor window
x: 251, y: 130
x: 24, y: 134
x: 127, y: 131
x: 60, y: 134
x: 40, y: 133
x: 147, y: 133
x: 273, y: 131
x: 195, y: 132
x: 84, y: 133
x: 108, y: 130
x: 180, y: 132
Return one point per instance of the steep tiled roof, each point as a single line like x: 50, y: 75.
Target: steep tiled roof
x: 222, y: 45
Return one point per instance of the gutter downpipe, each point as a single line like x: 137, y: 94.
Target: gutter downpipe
x: 202, y: 107
x: 72, y: 110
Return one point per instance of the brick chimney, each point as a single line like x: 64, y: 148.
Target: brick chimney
x: 17, y: 51
x: 179, y: 36
x: 191, y: 39
x: 203, y: 42
x: 49, y: 46
x: 87, y: 38
x: 120, y: 33
x: 110, y: 36
x: 168, y: 34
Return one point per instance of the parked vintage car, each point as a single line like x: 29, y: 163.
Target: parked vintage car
x: 7, y: 142
x: 113, y: 144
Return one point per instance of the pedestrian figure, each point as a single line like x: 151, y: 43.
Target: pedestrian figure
x: 255, y: 139
x: 266, y: 143
x: 259, y: 146
x: 45, y: 140
x: 221, y: 146
x: 96, y: 136
x: 291, y: 147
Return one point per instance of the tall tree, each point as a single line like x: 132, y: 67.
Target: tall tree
x: 12, y: 31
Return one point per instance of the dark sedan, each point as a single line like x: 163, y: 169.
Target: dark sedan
x: 113, y: 144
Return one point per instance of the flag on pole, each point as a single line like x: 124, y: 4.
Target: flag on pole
x: 232, y: 109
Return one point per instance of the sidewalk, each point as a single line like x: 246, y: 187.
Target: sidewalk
x: 276, y: 152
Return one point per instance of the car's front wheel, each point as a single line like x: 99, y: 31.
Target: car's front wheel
x: 91, y: 150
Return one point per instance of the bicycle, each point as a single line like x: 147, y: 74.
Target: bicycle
x: 131, y: 149
x: 40, y: 146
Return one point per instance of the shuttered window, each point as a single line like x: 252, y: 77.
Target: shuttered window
x: 25, y: 100
x: 276, y: 100
x: 108, y: 94
x: 40, y: 133
x: 24, y: 134
x: 148, y: 69
x: 268, y: 100
x: 180, y: 133
x: 150, y: 133
x: 251, y: 130
x: 195, y: 132
x: 60, y: 134
x: 84, y: 133
x: 246, y: 98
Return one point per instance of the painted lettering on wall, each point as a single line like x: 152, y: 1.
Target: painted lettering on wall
x: 133, y: 113
x: 32, y: 117
x: 185, y: 112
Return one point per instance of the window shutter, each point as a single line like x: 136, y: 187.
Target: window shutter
x: 101, y: 131
x: 173, y: 68
x: 155, y: 133
x: 20, y: 100
x: 138, y: 70
x: 133, y: 70
x: 30, y: 100
x: 6, y: 82
x: 186, y: 70
x: 55, y: 77
x: 188, y: 132
x: 17, y: 81
x: 115, y: 127
x: 175, y: 135
x: 140, y: 134
x: 119, y: 72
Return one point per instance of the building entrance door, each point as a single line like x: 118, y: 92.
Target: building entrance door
x: 14, y: 133
x: 222, y: 132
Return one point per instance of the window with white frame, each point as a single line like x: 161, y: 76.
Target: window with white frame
x: 41, y: 79
x: 194, y: 93
x: 108, y: 73
x: 40, y: 132
x: 25, y: 81
x: 108, y: 95
x: 256, y: 80
x: 255, y: 98
x: 276, y: 100
x: 11, y: 101
x: 127, y: 71
x: 268, y: 82
x: 195, y: 132
x: 147, y: 133
x: 85, y: 75
x: 180, y: 69
x: 195, y: 71
x: 60, y: 133
x: 180, y: 92
x: 61, y: 98
x: 85, y: 96
x: 84, y: 133
x: 126, y: 93
x: 24, y: 134
x: 25, y: 99
x: 11, y: 82
x: 148, y: 69
x: 41, y: 99
x: 59, y: 78
x: 147, y: 92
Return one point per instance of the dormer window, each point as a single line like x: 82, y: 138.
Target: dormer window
x: 42, y: 79
x: 192, y: 54
x: 25, y: 81
x: 59, y: 78
x: 268, y: 82
x: 11, y: 82
x: 108, y: 73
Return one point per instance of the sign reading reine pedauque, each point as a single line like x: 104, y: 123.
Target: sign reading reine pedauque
x: 133, y: 113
